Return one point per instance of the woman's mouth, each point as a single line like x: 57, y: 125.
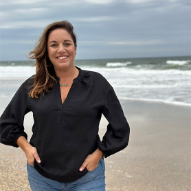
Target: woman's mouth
x: 62, y: 57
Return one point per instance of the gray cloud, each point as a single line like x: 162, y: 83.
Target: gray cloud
x: 113, y: 29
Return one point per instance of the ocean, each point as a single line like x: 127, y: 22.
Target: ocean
x: 164, y: 79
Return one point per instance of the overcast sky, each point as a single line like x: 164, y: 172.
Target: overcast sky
x: 104, y: 28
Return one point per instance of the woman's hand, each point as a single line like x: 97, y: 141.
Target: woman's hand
x: 31, y: 154
x: 29, y: 150
x: 91, y: 162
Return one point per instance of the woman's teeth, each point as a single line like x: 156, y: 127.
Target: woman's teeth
x: 62, y: 57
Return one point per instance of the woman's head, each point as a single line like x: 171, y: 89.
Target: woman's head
x: 61, y: 49
x: 44, y: 55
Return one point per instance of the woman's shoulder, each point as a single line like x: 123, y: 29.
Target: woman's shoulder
x: 28, y: 82
x: 96, y: 77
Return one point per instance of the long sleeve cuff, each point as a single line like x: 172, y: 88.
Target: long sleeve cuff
x: 10, y: 135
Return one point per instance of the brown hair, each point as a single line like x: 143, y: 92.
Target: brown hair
x: 45, y: 73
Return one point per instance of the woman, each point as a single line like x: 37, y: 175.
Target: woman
x: 65, y: 150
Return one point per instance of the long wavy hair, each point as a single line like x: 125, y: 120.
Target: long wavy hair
x: 44, y: 79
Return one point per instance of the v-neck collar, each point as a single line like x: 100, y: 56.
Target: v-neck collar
x: 82, y: 80
x: 61, y: 105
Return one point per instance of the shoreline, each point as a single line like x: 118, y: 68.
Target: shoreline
x: 157, y: 101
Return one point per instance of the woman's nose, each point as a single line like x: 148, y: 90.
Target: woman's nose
x: 61, y: 48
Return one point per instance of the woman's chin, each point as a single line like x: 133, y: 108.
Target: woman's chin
x: 62, y: 66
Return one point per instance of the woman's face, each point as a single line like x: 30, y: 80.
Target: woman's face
x: 61, y: 49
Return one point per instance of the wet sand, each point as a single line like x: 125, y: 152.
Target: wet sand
x: 158, y: 157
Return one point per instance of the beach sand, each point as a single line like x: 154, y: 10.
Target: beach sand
x: 158, y: 157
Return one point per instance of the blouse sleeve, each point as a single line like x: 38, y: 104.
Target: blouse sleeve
x: 11, y: 121
x: 116, y: 137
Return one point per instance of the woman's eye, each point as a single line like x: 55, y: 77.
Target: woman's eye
x: 53, y: 45
x: 67, y: 44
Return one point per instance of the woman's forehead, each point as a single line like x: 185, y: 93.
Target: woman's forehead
x: 59, y: 35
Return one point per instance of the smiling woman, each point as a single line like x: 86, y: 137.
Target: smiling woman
x: 57, y: 46
x: 67, y: 102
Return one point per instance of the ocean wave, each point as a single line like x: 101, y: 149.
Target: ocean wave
x: 136, y: 71
x: 178, y: 62
x: 152, y: 86
x: 157, y: 100
x: 16, y: 73
x: 114, y: 64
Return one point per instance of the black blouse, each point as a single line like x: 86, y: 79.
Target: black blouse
x: 65, y: 134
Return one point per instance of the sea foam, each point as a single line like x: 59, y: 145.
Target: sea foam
x: 178, y: 62
x: 114, y: 64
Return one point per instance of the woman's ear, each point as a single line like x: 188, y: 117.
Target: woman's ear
x: 76, y: 49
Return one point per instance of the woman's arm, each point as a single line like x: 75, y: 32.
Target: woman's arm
x: 11, y: 121
x: 23, y: 143
x: 30, y: 151
x: 116, y: 137
x: 11, y: 124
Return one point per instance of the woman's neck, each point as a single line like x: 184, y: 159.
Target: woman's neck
x: 66, y: 75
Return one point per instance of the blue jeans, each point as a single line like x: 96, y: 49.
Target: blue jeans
x: 94, y: 180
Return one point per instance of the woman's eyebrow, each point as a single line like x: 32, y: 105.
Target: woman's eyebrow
x: 52, y: 41
x: 56, y: 41
x: 67, y: 40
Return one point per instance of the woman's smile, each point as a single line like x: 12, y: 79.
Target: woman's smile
x: 62, y: 57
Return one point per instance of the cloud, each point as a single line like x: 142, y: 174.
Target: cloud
x: 30, y: 10
x: 93, y: 19
x: 43, y: 23
x: 24, y: 24
x: 147, y: 42
x: 131, y: 43
x: 19, y: 2
x: 99, y: 1
x: 31, y: 42
x: 102, y: 25
x: 147, y: 1
x: 138, y: 1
